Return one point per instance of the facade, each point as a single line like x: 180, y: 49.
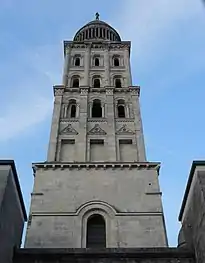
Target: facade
x: 96, y: 188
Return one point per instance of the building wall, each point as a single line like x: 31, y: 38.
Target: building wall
x: 129, y: 199
x: 11, y: 216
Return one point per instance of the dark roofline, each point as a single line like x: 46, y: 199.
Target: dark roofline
x: 71, y: 254
x: 13, y: 167
x: 191, y: 174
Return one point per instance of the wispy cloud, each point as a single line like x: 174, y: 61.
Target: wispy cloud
x: 23, y: 115
x: 150, y: 23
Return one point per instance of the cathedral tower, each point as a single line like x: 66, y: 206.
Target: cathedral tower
x: 96, y: 188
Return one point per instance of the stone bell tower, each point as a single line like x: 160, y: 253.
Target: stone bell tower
x: 96, y: 188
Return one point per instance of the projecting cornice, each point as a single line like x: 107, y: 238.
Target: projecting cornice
x: 96, y: 45
x: 97, y: 165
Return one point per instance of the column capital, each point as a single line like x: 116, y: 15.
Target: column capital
x: 84, y: 91
x: 109, y: 91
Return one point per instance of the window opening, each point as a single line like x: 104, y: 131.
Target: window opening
x: 96, y: 109
x: 96, y: 232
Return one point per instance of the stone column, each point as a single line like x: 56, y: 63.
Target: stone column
x: 87, y: 66
x: 138, y: 126
x: 111, y: 140
x: 107, y: 67
x: 66, y: 66
x: 128, y: 68
x: 52, y: 148
x: 82, y: 137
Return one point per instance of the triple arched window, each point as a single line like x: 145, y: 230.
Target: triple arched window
x: 96, y: 232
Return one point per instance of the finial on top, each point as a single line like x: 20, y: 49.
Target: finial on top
x: 97, y: 15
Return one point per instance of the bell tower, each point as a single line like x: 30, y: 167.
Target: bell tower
x: 96, y: 188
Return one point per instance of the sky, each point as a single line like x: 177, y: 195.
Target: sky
x: 167, y: 61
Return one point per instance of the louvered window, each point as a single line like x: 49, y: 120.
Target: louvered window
x: 96, y: 236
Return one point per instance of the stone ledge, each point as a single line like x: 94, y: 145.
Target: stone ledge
x: 98, y: 165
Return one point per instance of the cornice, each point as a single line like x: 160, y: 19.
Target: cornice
x: 96, y: 166
x: 60, y: 89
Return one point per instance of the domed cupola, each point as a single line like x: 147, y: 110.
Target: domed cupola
x: 97, y: 30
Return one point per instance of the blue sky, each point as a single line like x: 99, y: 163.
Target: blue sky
x: 168, y: 51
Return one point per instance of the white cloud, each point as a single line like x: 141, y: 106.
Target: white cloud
x: 22, y: 115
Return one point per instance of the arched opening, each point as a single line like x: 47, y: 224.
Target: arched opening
x: 116, y: 62
x: 96, y: 232
x: 75, y: 83
x: 121, y: 111
x: 97, y: 62
x: 96, y: 109
x: 118, y: 83
x: 73, y: 111
x: 96, y: 83
x: 77, y: 61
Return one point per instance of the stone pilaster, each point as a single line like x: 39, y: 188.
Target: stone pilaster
x: 52, y: 148
x: 107, y: 67
x: 138, y: 125
x: 87, y: 66
x: 128, y: 67
x: 82, y: 140
x: 66, y: 66
x: 111, y: 140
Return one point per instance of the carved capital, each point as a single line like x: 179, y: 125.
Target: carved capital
x: 109, y: 91
x: 135, y: 91
x: 58, y: 91
x: 84, y: 91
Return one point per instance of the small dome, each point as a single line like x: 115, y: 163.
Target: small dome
x: 97, y: 30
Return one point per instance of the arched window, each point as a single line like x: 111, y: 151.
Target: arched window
x: 118, y: 83
x: 77, y: 61
x: 96, y: 83
x: 121, y: 109
x: 116, y: 62
x: 72, y: 109
x: 75, y: 83
x: 97, y: 62
x: 96, y: 232
x: 96, y: 109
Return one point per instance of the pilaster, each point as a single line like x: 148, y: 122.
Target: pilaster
x: 138, y: 124
x: 52, y: 148
x: 128, y: 67
x: 82, y: 140
x: 107, y: 67
x: 66, y: 66
x: 87, y: 66
x: 111, y: 140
